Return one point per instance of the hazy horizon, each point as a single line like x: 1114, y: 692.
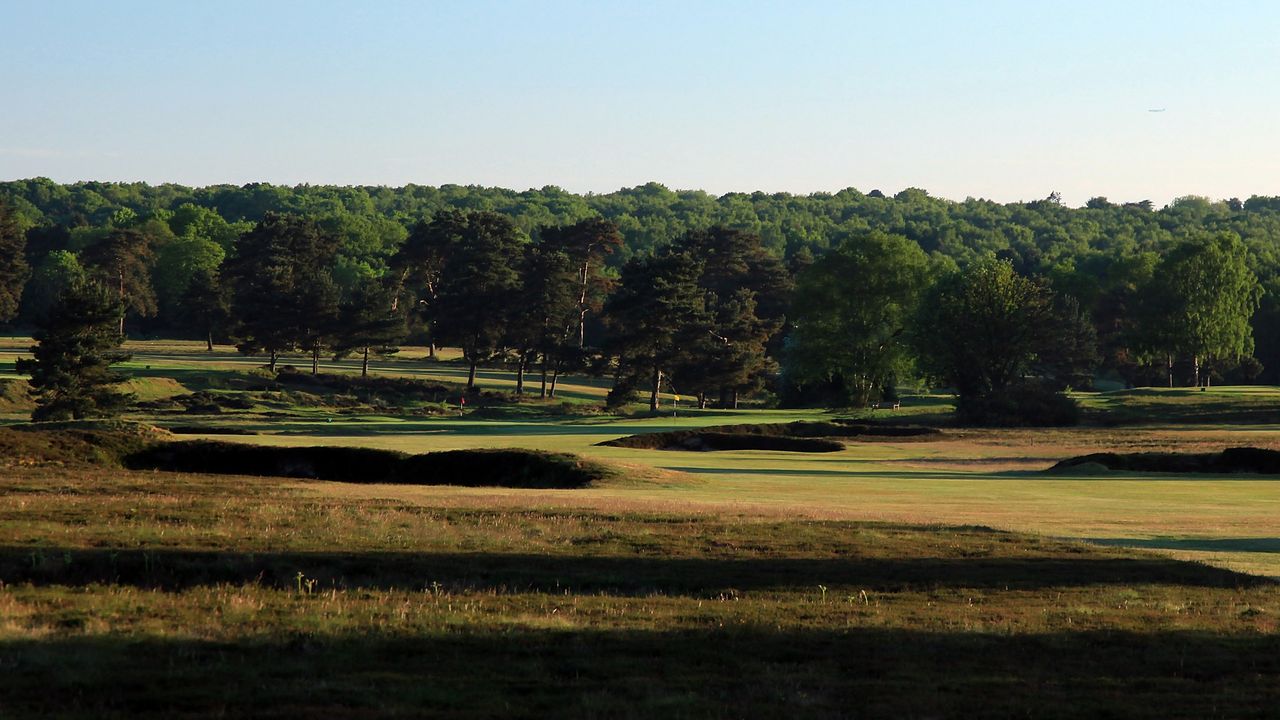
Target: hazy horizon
x: 1005, y: 101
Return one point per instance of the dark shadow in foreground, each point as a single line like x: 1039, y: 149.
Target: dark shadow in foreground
x: 632, y: 576
x: 734, y: 672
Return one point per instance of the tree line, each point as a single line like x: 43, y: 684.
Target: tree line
x: 713, y: 312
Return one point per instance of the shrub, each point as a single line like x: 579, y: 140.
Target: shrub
x: 1023, y: 405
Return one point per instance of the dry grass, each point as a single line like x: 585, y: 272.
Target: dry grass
x: 153, y: 594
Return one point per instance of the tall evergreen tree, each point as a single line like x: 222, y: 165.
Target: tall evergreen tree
x: 368, y: 321
x: 121, y: 261
x: 282, y: 293
x: 14, y: 270
x: 586, y: 244
x: 546, y: 314
x: 657, y: 312
x: 477, y: 287
x: 419, y: 265
x: 746, y: 290
x: 76, y: 345
x: 205, y: 305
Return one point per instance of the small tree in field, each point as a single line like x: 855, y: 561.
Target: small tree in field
x: 76, y: 346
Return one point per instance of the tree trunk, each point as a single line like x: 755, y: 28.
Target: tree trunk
x: 1169, y: 368
x: 521, y: 363
x: 653, y: 394
x: 582, y: 307
x: 315, y: 358
x: 555, y: 378
x: 123, y: 309
x: 431, y: 349
x: 209, y: 340
x: 272, y: 364
x: 702, y: 399
x: 543, y: 394
x: 364, y: 363
x: 471, y: 376
x: 1195, y: 366
x: 733, y: 398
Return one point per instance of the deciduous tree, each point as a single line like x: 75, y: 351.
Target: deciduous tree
x: 1198, y: 304
x: 851, y: 309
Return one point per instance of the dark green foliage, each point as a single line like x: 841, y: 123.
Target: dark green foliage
x: 120, y: 261
x: 586, y: 245
x: 470, y: 295
x: 850, y: 312
x: 76, y: 346
x: 283, y: 296
x: 1022, y: 404
x: 206, y: 305
x: 368, y: 320
x: 547, y: 315
x: 792, y: 437
x: 656, y: 317
x: 746, y: 290
x: 987, y: 328
x: 58, y: 271
x: 471, y: 468
x: 1005, y: 343
x: 1232, y: 460
x: 1099, y: 254
x: 14, y: 270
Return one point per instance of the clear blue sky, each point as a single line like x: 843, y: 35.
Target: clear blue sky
x: 1006, y: 100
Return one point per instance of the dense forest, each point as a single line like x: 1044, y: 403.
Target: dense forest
x: 748, y: 280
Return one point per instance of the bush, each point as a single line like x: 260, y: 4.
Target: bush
x: 1023, y: 405
x: 513, y: 468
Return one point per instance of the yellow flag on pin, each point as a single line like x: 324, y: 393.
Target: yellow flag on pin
x: 677, y: 398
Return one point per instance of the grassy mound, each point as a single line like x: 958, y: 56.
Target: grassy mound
x: 1231, y: 460
x: 397, y: 388
x: 471, y: 468
x: 15, y: 396
x: 794, y: 437
x: 74, y: 444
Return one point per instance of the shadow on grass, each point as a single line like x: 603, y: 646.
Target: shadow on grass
x: 745, y: 671
x: 463, y: 426
x: 1253, y: 545
x: 976, y: 475
x: 630, y: 576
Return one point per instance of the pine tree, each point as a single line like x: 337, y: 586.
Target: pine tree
x: 368, y: 321
x: 77, y: 343
x: 657, y: 313
x: 204, y: 303
x: 282, y: 292
x: 120, y: 261
x: 477, y: 288
x: 14, y: 270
